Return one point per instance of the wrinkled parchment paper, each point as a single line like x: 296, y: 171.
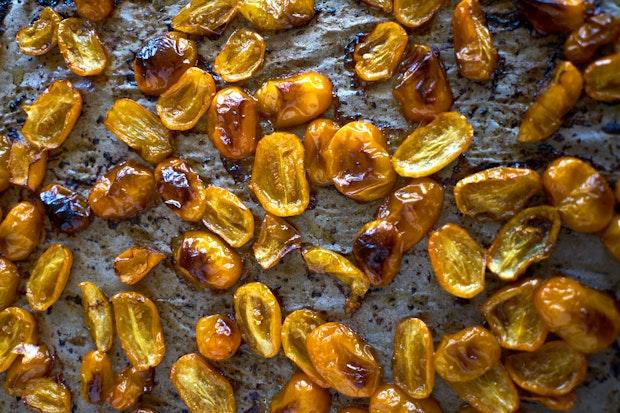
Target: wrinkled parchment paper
x: 527, y: 60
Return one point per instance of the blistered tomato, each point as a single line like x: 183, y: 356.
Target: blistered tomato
x: 133, y: 264
x: 205, y: 17
x: 413, y: 208
x: 319, y: 134
x: 602, y: 79
x: 66, y: 209
x: 274, y: 15
x: 580, y: 193
x: 40, y: 37
x: 205, y: 261
x: 162, y: 60
x: 389, y: 398
x: 17, y: 326
x: 232, y: 123
x: 378, y: 250
x: 595, y: 32
x: 294, y: 100
x: 358, y: 162
x: 181, y: 189
x: 344, y: 360
x: 301, y: 395
x: 217, y: 337
x: 422, y: 88
x: 414, y: 13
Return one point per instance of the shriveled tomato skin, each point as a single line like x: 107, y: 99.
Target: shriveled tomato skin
x: 181, y: 189
x: 585, y: 318
x: 580, y: 193
x: 317, y: 137
x: 276, y: 238
x: 596, y: 31
x: 422, y: 88
x: 300, y: 395
x: 344, y: 360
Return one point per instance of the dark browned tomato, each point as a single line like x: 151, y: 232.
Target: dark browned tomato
x: 67, y: 210
x: 378, y: 250
x: 232, y: 123
x: 162, y: 60
x: 597, y: 31
x: 554, y: 16
x: 422, y: 89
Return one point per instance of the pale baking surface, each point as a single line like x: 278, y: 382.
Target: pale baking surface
x: 494, y: 109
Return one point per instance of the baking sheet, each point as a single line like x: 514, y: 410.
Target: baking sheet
x: 527, y: 60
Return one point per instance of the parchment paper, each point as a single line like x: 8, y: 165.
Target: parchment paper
x: 495, y: 108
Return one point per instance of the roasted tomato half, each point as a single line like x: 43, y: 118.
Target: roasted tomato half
x: 378, y: 53
x: 41, y: 36
x: 241, y: 57
x: 378, y: 250
x: 300, y: 395
x: 83, y: 51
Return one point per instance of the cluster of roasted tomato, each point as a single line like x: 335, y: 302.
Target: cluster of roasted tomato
x: 354, y: 158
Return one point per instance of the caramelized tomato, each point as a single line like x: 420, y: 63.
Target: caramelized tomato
x: 585, y: 318
x: 319, y: 134
x: 324, y: 261
x: 162, y: 60
x: 458, y: 262
x: 49, y: 277
x: 140, y: 129
x: 205, y: 261
x: 260, y: 319
x: 295, y: 100
x: 467, y: 354
x: 232, y: 123
x: 496, y: 192
x: 602, y: 79
x: 41, y: 36
x: 66, y: 209
x: 228, y: 217
x: 201, y: 387
x: 580, y: 193
x: 129, y: 385
x: 473, y: 46
x: 35, y: 361
x: 181, y: 189
x: 545, y: 115
x: 217, y: 337
x: 344, y: 360
x: 554, y: 16
x: 379, y: 52
x: 139, y: 329
x: 275, y: 14
x: 431, y: 148
x: 378, y: 250
x: 133, y: 264
x: 596, y: 31
x: 83, y: 51
x: 413, y: 208
x: 124, y: 192
x: 413, y: 365
x: 241, y: 57
x: 527, y: 238
x: 295, y: 330
x: 182, y: 105
x: 278, y: 175
x: 422, y: 89
x: 51, y: 118
x: 275, y: 239
x: 97, y: 377
x: 301, y: 395
x: 513, y: 318
x: 358, y: 162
